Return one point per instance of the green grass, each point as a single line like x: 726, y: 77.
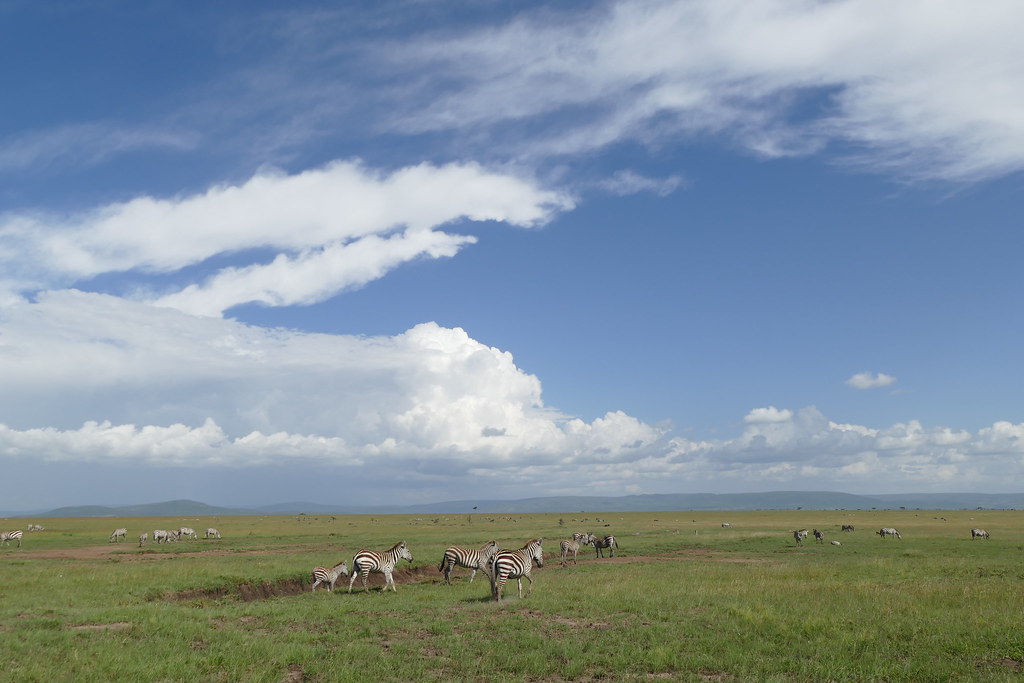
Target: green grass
x: 686, y: 600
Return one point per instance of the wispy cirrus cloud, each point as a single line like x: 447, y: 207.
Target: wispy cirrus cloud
x: 870, y: 380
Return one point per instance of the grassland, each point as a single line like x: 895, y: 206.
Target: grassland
x: 686, y: 599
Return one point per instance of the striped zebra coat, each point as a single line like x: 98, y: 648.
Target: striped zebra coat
x: 187, y: 532
x: 466, y: 557
x: 978, y: 533
x: 143, y: 537
x: 7, y: 536
x: 889, y: 531
x: 328, y: 575
x: 367, y: 561
x: 569, y: 546
x: 212, y: 533
x: 160, y: 536
x: 516, y: 564
x: 118, y: 534
x: 606, y: 542
x: 799, y: 535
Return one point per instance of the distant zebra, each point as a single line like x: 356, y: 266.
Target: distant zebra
x: 569, y: 546
x: 212, y: 533
x: 328, y: 576
x: 118, y: 534
x: 836, y: 543
x: 367, y: 561
x: 457, y: 556
x: 516, y: 564
x: 7, y: 536
x: 160, y: 536
x: 819, y: 536
x: 889, y: 531
x: 34, y: 527
x: 606, y: 542
x: 726, y: 525
x: 187, y: 532
x: 847, y: 527
x: 978, y: 533
x: 143, y: 537
x: 800, y: 535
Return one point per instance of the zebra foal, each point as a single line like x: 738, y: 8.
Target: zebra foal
x: 328, y: 575
x: 367, y: 561
x: 606, y: 542
x: 516, y: 564
x: 468, y: 558
x: 569, y: 546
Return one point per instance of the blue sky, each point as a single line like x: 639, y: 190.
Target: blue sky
x: 422, y: 251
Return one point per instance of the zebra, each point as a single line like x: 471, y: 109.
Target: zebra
x: 143, y: 537
x: 847, y: 527
x: 889, y: 531
x: 569, y: 546
x: 118, y: 534
x: 726, y: 525
x: 160, y: 536
x: 187, y: 532
x: 606, y: 542
x: 212, y: 533
x: 580, y: 537
x: 367, y: 561
x: 465, y: 557
x: 7, y: 536
x: 978, y: 533
x: 516, y: 564
x: 800, y: 535
x: 328, y: 576
x: 819, y: 536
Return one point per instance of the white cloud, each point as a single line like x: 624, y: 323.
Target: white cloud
x: 627, y: 182
x: 768, y: 415
x: 335, y: 227
x: 926, y: 89
x: 868, y: 380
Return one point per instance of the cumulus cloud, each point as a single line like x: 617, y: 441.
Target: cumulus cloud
x: 868, y: 380
x: 925, y: 89
x: 333, y: 228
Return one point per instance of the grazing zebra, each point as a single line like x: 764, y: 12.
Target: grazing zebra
x: 7, y: 536
x: 726, y: 525
x: 978, y: 533
x: 468, y: 558
x: 516, y: 564
x: 212, y: 533
x: 328, y: 576
x: 606, y: 542
x: 847, y: 527
x: 143, y: 537
x: 118, y: 534
x: 187, y: 532
x: 800, y: 535
x: 567, y: 547
x: 367, y: 561
x: 889, y: 531
x: 819, y: 536
x: 160, y: 536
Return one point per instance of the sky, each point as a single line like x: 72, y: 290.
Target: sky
x: 408, y: 252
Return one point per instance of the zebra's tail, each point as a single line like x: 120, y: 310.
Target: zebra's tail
x: 440, y: 567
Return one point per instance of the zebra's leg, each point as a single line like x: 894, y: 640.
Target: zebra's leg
x: 519, y: 581
x: 472, y: 575
x: 529, y: 587
x: 352, y: 579
x: 389, y: 580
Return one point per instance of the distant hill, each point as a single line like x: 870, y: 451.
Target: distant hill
x: 771, y: 500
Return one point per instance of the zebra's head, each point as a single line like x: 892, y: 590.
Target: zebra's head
x: 536, y: 551
x: 404, y: 552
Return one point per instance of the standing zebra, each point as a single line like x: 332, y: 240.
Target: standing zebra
x: 819, y: 536
x: 187, y: 532
x: 118, y: 534
x: 212, y: 533
x: 160, y: 536
x: 978, y: 533
x: 468, y: 558
x: 328, y: 577
x: 516, y: 564
x: 847, y: 527
x: 581, y: 537
x: 889, y: 531
x: 800, y: 535
x: 367, y: 561
x: 569, y: 546
x: 143, y: 537
x: 7, y: 536
x: 606, y: 542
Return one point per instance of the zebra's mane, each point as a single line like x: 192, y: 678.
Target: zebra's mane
x: 400, y: 543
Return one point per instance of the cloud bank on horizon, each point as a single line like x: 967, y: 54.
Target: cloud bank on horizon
x: 118, y: 345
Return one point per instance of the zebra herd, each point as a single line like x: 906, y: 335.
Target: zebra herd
x: 499, y: 565
x: 164, y: 535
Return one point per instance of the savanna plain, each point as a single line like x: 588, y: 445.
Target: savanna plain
x: 685, y: 598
